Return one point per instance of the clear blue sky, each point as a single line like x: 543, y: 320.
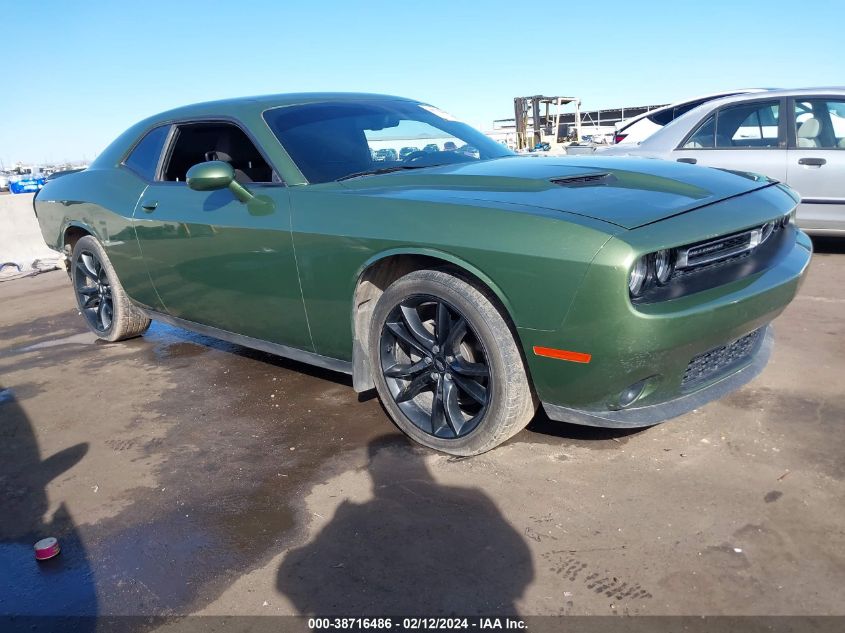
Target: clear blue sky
x: 76, y: 74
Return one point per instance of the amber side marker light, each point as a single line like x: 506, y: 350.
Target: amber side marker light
x: 562, y: 354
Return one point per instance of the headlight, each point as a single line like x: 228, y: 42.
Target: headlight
x: 639, y: 273
x: 648, y: 269
x: 663, y: 265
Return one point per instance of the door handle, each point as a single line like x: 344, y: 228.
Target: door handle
x: 814, y: 162
x: 690, y: 161
x: 149, y: 205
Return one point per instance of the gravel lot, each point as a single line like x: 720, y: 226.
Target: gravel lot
x: 185, y: 475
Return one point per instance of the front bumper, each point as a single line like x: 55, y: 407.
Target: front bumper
x: 650, y: 415
x: 654, y: 343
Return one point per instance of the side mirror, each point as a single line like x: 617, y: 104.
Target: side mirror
x: 216, y: 174
x: 210, y: 176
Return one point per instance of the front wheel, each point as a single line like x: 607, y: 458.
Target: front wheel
x: 446, y: 365
x: 101, y: 299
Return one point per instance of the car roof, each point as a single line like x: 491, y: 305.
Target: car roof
x: 709, y: 97
x: 238, y: 107
x: 780, y: 92
x: 264, y: 102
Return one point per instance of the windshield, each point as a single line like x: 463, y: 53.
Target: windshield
x: 332, y: 140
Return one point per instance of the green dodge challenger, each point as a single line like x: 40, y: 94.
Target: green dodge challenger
x: 466, y: 284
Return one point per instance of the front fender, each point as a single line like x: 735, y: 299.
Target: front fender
x: 362, y: 379
x: 445, y: 256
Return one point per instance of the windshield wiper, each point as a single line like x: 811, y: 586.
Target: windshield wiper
x: 382, y: 170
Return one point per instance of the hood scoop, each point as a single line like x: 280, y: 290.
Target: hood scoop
x: 585, y: 180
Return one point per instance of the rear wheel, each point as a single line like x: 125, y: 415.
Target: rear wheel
x: 101, y: 299
x: 446, y: 364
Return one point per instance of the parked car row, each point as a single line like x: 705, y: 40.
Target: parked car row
x: 792, y: 136
x: 26, y: 183
x: 31, y: 179
x: 388, y: 154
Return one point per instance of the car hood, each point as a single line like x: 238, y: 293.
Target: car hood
x: 627, y: 192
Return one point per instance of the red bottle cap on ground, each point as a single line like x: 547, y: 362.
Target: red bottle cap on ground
x: 46, y: 548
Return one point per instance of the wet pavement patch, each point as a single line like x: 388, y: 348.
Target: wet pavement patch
x: 229, y: 468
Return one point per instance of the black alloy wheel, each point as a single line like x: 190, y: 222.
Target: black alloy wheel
x: 435, y: 367
x: 94, y: 291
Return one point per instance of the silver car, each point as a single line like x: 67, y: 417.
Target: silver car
x: 794, y: 136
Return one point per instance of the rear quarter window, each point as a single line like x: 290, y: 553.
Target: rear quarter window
x: 143, y: 159
x: 704, y: 136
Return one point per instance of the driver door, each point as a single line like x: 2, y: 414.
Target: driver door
x: 212, y: 259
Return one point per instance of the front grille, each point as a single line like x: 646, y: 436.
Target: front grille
x: 719, y: 360
x: 717, y: 248
x: 683, y: 272
x: 714, y: 251
x: 695, y: 258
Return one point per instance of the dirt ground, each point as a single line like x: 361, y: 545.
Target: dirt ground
x: 185, y: 475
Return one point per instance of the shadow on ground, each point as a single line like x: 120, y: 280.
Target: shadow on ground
x: 171, y: 342
x: 551, y: 429
x: 415, y: 545
x: 58, y: 587
x: 829, y: 245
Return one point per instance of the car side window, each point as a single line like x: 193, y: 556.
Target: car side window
x: 820, y: 123
x: 704, y: 137
x: 751, y: 125
x: 196, y: 143
x: 143, y: 159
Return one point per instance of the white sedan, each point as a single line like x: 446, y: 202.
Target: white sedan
x: 794, y: 136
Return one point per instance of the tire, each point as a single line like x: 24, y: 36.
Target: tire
x: 99, y: 296
x: 418, y: 363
